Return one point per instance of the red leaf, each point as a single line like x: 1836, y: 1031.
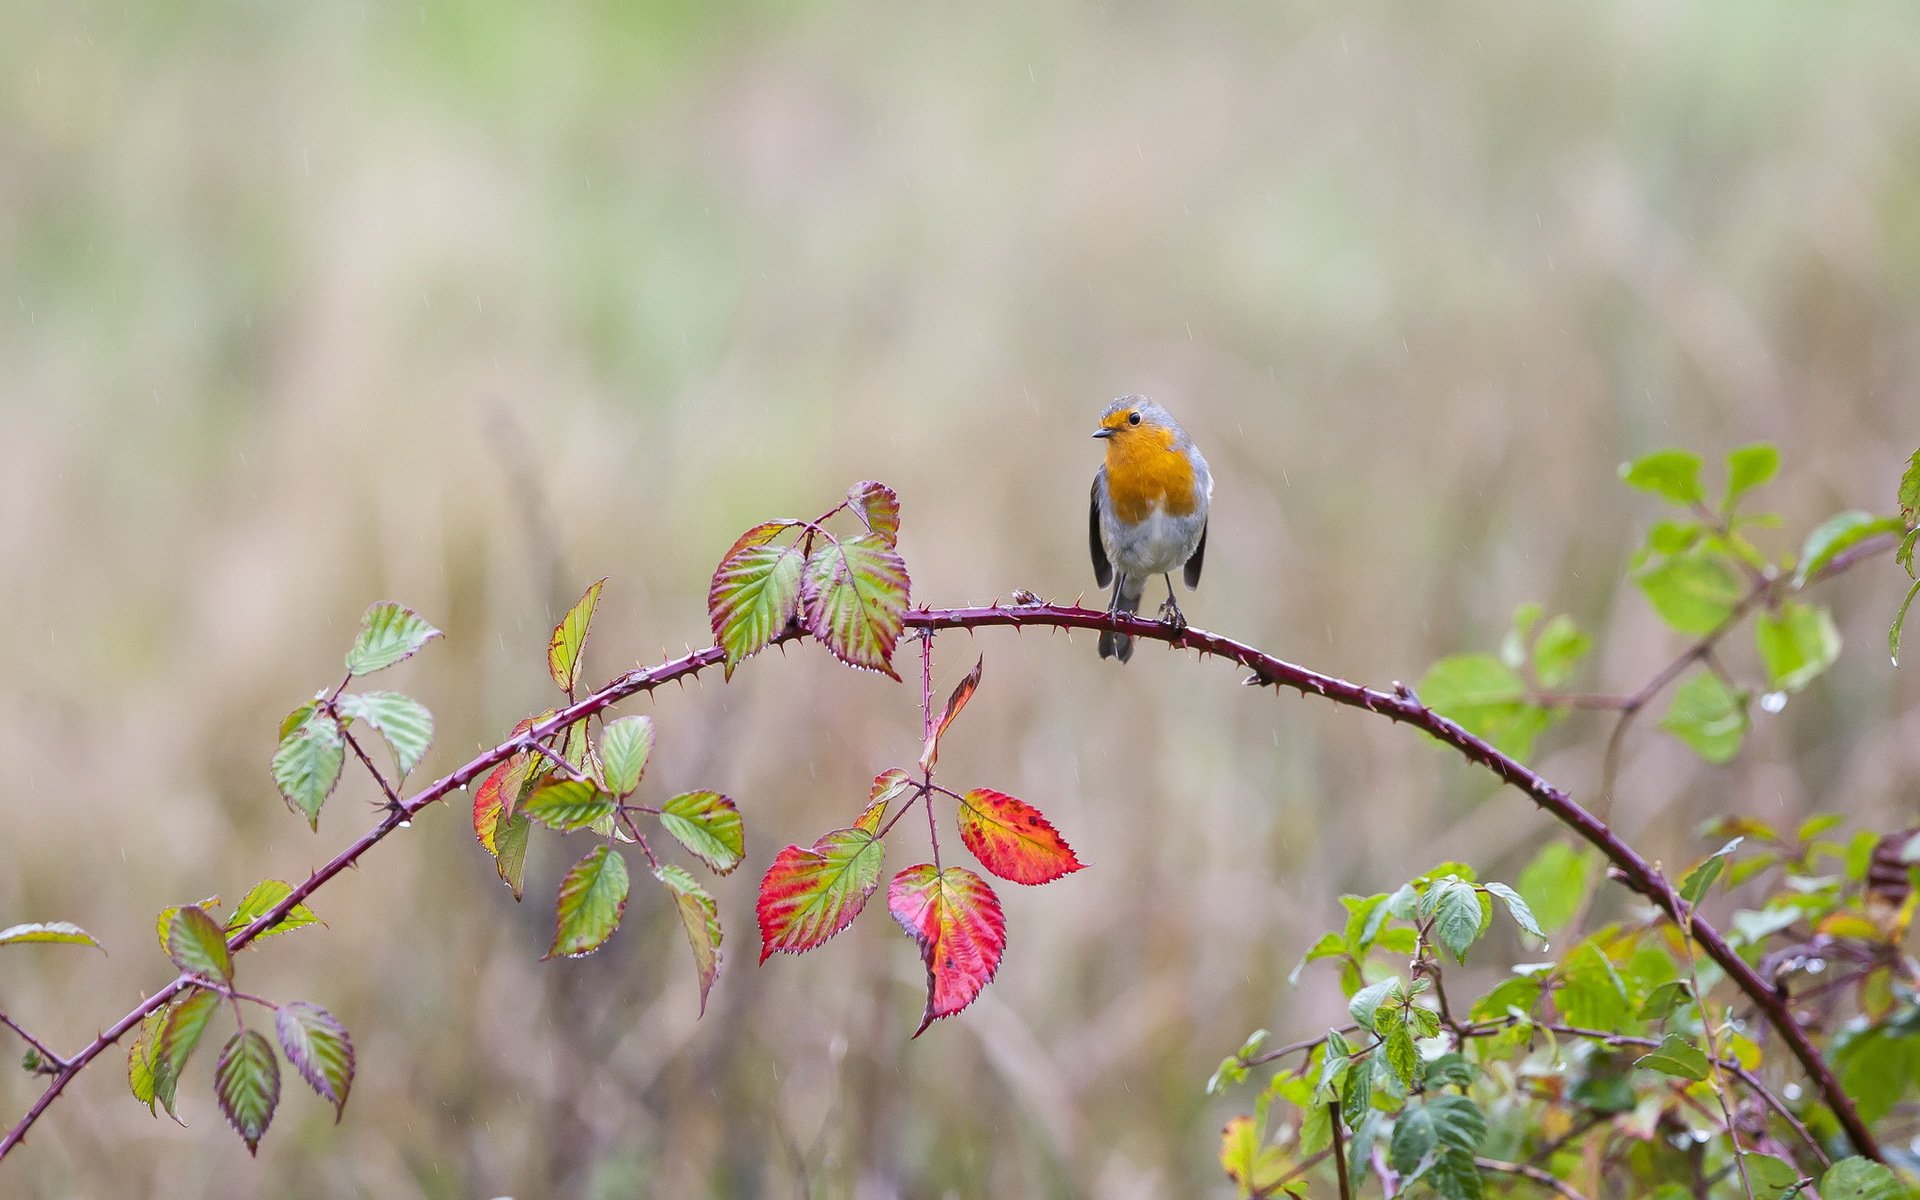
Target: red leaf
x: 486, y: 806
x: 956, y: 919
x: 853, y: 596
x: 931, y: 753
x: 808, y: 895
x: 1012, y: 839
x: 888, y: 786
x: 878, y: 507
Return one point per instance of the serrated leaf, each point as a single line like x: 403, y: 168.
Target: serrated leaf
x: 1559, y: 648
x: 307, y: 765
x: 260, y: 900
x: 401, y: 721
x: 570, y: 637
x: 1555, y: 882
x: 164, y: 921
x: 888, y: 786
x: 1698, y: 880
x: 1012, y: 840
x: 198, y: 946
x: 701, y: 917
x: 1454, y: 906
x: 1859, y: 1178
x: 755, y: 593
x: 1414, y: 1138
x: 568, y: 805
x: 1675, y: 1056
x: 956, y: 920
x: 593, y: 895
x: 1836, y: 535
x: 1363, y: 1004
x: 1673, y: 475
x: 175, y: 1036
x: 624, y: 747
x: 246, y: 1081
x: 811, y: 893
x: 708, y: 824
x: 1402, y: 1056
x: 1518, y: 910
x: 318, y: 1047
x: 1455, y: 1176
x: 853, y: 594
x: 930, y: 753
x: 1449, y: 1070
x: 48, y: 932
x: 878, y: 507
x: 1797, y: 643
x: 1488, y: 699
x: 1748, y: 467
x: 1694, y: 592
x: 142, y: 1053
x: 389, y: 633
x: 1708, y: 715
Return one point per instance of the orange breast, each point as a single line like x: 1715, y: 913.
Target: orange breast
x: 1144, y: 472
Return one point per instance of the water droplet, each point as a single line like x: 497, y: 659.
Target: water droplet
x: 1701, y: 1135
x: 1545, y: 946
x: 1791, y: 1091
x: 1773, y: 702
x: 1816, y: 965
x: 406, y: 824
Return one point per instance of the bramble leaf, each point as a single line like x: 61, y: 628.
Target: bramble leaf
x: 1909, y: 496
x: 1747, y: 468
x: 708, y: 824
x: 1836, y: 535
x: 702, y: 920
x: 1518, y: 910
x: 1694, y: 593
x: 402, y: 721
x: 247, y: 1083
x: 930, y: 753
x: 570, y: 637
x: 1454, y: 907
x: 1797, y: 643
x: 510, y: 852
x: 569, y: 804
x: 1708, y: 715
x: 198, y: 946
x: 755, y: 592
x: 389, y: 633
x: 1698, y: 880
x: 854, y: 595
x: 175, y: 1036
x: 307, y: 765
x: 1675, y: 1056
x: 593, y: 895
x: 1012, y: 839
x: 878, y: 507
x: 1859, y: 1178
x: 318, y: 1047
x: 956, y: 920
x: 1559, y: 648
x: 624, y: 747
x: 142, y: 1055
x: 164, y: 921
x: 1673, y: 475
x: 888, y: 786
x: 55, y: 932
x: 261, y: 899
x: 810, y: 894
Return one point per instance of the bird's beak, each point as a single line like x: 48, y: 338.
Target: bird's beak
x: 1103, y: 433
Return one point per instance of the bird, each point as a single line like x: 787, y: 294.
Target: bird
x: 1148, y: 513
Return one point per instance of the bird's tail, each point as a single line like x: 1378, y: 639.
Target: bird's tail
x: 1127, y: 591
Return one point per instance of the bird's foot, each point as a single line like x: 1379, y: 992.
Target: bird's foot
x: 1170, y: 614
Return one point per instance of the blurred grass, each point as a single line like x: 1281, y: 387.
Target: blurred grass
x: 467, y: 304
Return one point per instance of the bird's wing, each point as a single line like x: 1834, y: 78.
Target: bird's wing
x: 1199, y: 554
x: 1102, y: 569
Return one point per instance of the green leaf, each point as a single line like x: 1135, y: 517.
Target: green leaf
x: 1367, y: 1000
x: 198, y: 945
x: 1909, y: 497
x: 1836, y: 535
x: 259, y: 901
x: 142, y: 1054
x: 1488, y: 699
x: 1673, y: 475
x: 1520, y: 992
x: 297, y: 718
x: 570, y: 637
x: 1518, y: 910
x: 854, y: 595
x: 1772, y: 1178
x: 175, y: 1036
x: 1330, y: 945
x: 624, y: 747
x: 510, y: 852
x: 247, y: 1083
x: 1708, y: 715
x: 1675, y: 1056
x: 1458, y: 1122
x: 1455, y: 1177
x: 1513, y: 647
x: 164, y: 922
x: 1555, y: 882
x: 1664, y: 999
x: 1673, y: 537
x: 1444, y: 1126
x: 1797, y: 643
x: 1402, y: 1056
x: 568, y: 805
x: 1254, y: 1168
x: 593, y: 895
x: 1454, y: 906
x: 1899, y: 619
x: 307, y: 765
x: 1559, y: 648
x: 1698, y: 880
x: 1747, y: 468
x: 54, y: 932
x: 1450, y: 1070
x: 403, y: 722
x: 1859, y: 1178
x: 755, y: 593
x: 1590, y: 993
x: 389, y: 633
x: 1414, y: 1138
x: 1694, y: 593
x: 708, y: 824
x: 318, y: 1047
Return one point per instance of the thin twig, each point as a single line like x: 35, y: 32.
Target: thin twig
x: 39, y: 1047
x: 1543, y: 1178
x: 393, y: 797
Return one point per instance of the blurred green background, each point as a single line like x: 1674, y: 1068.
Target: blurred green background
x: 468, y: 304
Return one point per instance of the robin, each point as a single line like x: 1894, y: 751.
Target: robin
x: 1149, y: 511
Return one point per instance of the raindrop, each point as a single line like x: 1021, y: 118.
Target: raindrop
x: 1791, y: 1091
x: 1816, y: 965
x: 1773, y: 702
x: 1701, y: 1135
x: 406, y: 824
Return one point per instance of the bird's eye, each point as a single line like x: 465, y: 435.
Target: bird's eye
x: 1133, y: 418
